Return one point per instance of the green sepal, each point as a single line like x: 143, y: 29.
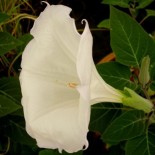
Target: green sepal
x: 132, y: 99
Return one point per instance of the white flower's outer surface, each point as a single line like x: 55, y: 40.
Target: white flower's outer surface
x: 59, y: 81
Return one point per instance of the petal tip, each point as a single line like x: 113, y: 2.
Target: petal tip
x: 45, y: 3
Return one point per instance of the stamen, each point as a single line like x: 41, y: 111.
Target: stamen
x: 72, y: 85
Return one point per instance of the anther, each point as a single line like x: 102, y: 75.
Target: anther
x: 72, y: 85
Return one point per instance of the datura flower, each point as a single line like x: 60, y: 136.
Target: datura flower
x: 59, y: 81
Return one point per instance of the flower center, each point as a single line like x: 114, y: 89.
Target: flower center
x: 72, y: 85
x: 68, y: 84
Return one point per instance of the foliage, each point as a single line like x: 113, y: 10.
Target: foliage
x: 10, y: 31
x: 13, y: 137
x: 130, y: 44
x: 134, y: 7
x: 125, y: 131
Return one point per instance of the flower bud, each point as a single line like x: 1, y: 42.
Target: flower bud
x: 144, y: 75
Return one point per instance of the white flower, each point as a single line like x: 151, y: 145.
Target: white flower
x: 59, y: 81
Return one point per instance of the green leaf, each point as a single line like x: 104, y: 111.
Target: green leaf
x: 150, y: 12
x: 152, y: 75
x: 8, y: 42
x: 18, y: 112
x: 128, y: 39
x: 104, y: 24
x: 18, y: 134
x: 121, y: 3
x: 10, y: 96
x: 3, y: 17
x: 49, y: 152
x: 11, y: 87
x: 102, y: 114
x: 142, y: 145
x: 116, y: 150
x: 55, y: 152
x: 144, y: 3
x: 7, y: 105
x: 25, y: 39
x: 129, y: 125
x: 116, y: 75
x: 126, y: 3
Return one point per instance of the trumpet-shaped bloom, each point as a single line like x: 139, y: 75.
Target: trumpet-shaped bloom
x: 59, y: 81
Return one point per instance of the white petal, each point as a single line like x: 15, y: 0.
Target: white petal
x: 84, y: 70
x: 101, y: 91
x: 84, y: 57
x: 93, y: 87
x: 55, y: 43
x: 56, y: 116
x: 51, y: 113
